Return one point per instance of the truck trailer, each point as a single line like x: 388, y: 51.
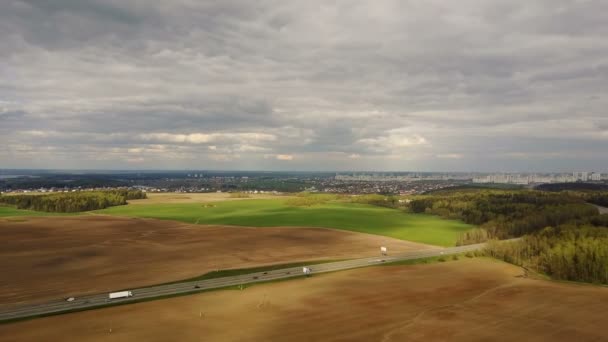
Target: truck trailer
x: 121, y: 294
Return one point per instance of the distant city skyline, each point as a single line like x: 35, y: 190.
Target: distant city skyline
x: 16, y: 171
x: 486, y: 86
x: 572, y: 176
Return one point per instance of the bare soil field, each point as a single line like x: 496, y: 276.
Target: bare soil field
x: 48, y: 258
x: 466, y: 300
x: 176, y: 197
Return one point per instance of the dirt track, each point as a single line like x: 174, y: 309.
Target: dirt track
x: 49, y: 258
x: 466, y: 300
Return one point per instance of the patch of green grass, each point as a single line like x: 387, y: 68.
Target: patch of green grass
x: 6, y: 211
x: 429, y: 260
x: 274, y: 213
x: 240, y: 271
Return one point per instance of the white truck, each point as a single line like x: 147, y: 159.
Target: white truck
x: 121, y: 294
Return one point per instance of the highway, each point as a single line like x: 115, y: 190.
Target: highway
x: 101, y: 300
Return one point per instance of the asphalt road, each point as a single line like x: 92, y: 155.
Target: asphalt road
x: 602, y: 210
x: 101, y: 300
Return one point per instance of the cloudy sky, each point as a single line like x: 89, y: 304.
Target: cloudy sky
x: 304, y: 85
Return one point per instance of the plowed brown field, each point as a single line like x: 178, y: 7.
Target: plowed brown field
x: 466, y: 300
x: 49, y: 258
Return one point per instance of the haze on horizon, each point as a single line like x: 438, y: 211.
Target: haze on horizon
x: 434, y: 85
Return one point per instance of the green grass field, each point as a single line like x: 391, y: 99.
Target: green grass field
x: 10, y: 212
x: 273, y: 213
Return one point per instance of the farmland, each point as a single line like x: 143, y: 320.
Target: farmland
x: 465, y: 300
x: 94, y: 254
x: 276, y: 213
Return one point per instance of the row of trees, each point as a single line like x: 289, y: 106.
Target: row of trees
x: 568, y: 252
x: 69, y: 202
x: 561, y: 235
x: 307, y: 199
x: 375, y: 199
x: 599, y: 198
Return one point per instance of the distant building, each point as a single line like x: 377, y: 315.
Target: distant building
x: 596, y: 176
x: 581, y: 176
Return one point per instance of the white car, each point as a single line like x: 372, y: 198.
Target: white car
x: 71, y: 299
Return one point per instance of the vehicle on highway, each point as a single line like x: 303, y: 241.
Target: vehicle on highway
x: 70, y: 299
x: 121, y: 294
x: 97, y: 301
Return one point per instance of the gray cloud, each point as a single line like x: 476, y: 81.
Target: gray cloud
x: 407, y: 85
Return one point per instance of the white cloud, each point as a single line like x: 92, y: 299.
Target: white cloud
x: 250, y: 148
x: 224, y: 157
x: 203, y: 138
x: 135, y: 160
x: 196, y: 138
x: 450, y: 156
x: 393, y: 140
x: 483, y: 78
x: 40, y: 134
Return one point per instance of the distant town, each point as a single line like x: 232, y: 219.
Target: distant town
x: 399, y: 183
x: 526, y: 179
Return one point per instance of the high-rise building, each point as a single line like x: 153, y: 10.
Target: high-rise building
x: 581, y: 176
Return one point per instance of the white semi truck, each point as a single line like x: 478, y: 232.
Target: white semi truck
x: 121, y: 294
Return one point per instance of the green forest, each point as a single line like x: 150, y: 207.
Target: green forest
x: 562, y: 235
x: 576, y: 252
x: 507, y: 214
x: 70, y: 202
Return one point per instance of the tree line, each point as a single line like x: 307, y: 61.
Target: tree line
x: 69, y: 202
x: 561, y: 234
x: 599, y: 198
x: 575, y: 251
x: 504, y: 214
x: 307, y: 199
